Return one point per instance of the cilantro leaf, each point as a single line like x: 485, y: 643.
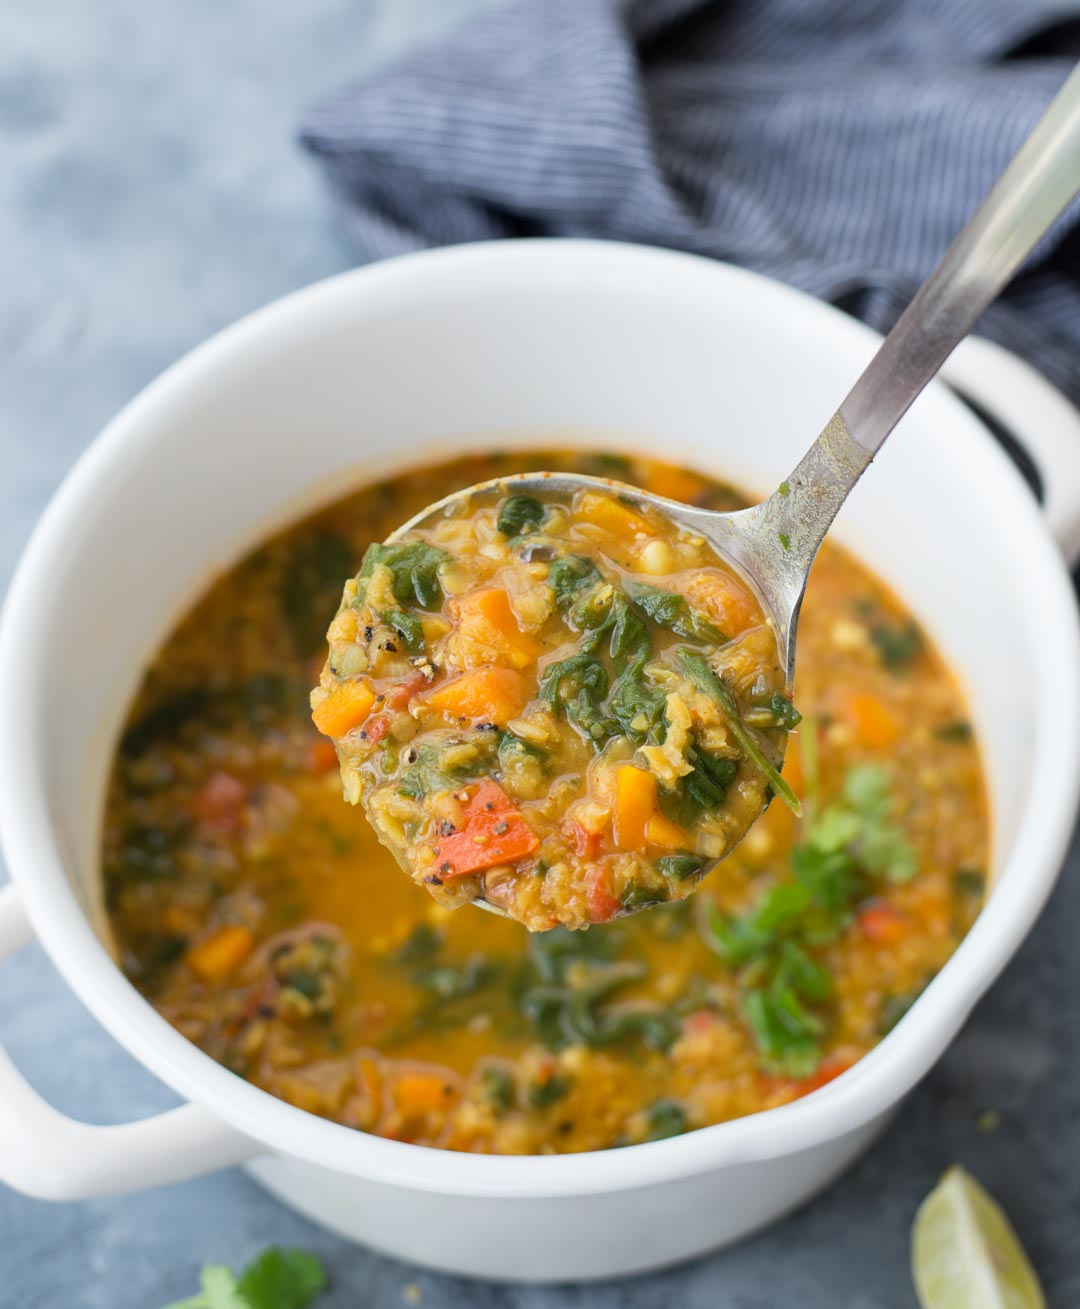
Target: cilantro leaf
x: 281, y: 1279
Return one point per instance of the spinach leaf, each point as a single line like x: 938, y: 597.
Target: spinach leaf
x: 541, y: 1095
x: 427, y: 774
x: 680, y: 866
x: 665, y: 1118
x: 702, y: 790
x: 897, y: 643
x: 783, y: 712
x: 638, y: 706
x: 310, y: 588
x: 571, y: 576
x: 674, y: 612
x: 576, y: 687
x: 499, y: 1086
x: 959, y: 730
x: 705, y: 679
x: 518, y: 514
x: 408, y: 627
x: 414, y: 567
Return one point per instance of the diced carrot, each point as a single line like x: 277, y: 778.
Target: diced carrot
x: 493, y: 833
x: 883, y: 922
x: 609, y: 512
x: 638, y: 820
x: 322, y: 757
x: 600, y: 901
x: 662, y: 831
x: 220, y: 802
x: 217, y: 956
x: 874, y: 724
x: 346, y: 707
x: 419, y: 1093
x: 726, y: 601
x: 488, y: 694
x: 487, y: 619
x: 635, y: 804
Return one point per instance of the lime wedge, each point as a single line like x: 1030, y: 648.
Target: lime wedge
x: 965, y: 1254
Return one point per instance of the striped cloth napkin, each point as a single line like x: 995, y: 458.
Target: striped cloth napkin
x: 837, y: 145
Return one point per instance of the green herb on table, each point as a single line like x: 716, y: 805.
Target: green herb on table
x: 277, y: 1279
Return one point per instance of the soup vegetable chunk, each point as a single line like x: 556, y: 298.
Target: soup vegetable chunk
x: 264, y: 920
x: 567, y: 707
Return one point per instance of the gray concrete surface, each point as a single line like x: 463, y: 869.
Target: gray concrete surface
x: 151, y: 192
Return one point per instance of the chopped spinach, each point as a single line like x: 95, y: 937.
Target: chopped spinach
x: 414, y: 569
x: 542, y: 1094
x: 665, y: 1118
x: 784, y: 714
x: 959, y: 730
x: 897, y: 644
x: 421, y: 944
x: 673, y: 611
x: 408, y: 627
x: 571, y: 576
x: 519, y: 514
x: 680, y: 866
x: 705, y: 679
x: 499, y: 1086
x: 702, y: 790
x: 970, y: 881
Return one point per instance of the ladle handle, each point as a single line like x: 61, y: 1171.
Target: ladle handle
x: 1026, y: 200
x: 781, y: 536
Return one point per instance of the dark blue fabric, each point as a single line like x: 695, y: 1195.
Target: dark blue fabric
x: 837, y: 145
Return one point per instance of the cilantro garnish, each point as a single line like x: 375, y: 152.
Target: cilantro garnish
x: 850, y: 846
x: 277, y: 1279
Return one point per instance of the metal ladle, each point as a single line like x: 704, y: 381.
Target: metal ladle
x: 774, y: 543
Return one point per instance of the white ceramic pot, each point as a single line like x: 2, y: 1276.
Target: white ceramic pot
x: 459, y: 349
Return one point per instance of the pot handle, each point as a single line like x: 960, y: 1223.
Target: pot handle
x: 45, y: 1154
x: 1044, y: 422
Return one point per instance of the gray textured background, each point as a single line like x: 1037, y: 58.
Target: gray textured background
x: 150, y: 193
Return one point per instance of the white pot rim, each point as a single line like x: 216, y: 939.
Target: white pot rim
x: 870, y: 1088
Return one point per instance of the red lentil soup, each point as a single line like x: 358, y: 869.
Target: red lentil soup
x: 260, y: 915
x: 565, y: 706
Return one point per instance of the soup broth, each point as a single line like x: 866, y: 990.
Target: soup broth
x: 259, y: 914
